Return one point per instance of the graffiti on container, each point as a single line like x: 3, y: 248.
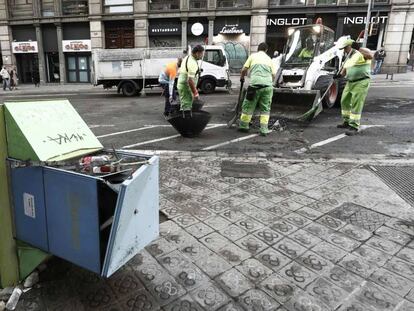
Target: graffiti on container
x: 66, y: 138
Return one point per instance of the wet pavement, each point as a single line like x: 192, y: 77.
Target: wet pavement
x: 307, y: 236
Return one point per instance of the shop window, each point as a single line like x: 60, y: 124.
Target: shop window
x: 164, y: 5
x: 118, y: 6
x: 234, y: 4
x: 78, y: 67
x: 198, y: 4
x: 75, y: 7
x: 286, y: 2
x: 48, y: 8
x: 20, y: 8
x: 326, y: 2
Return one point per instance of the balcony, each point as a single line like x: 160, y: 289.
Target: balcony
x: 366, y: 1
x: 118, y: 6
x: 273, y: 3
x: 234, y: 4
x: 75, y: 7
x: 163, y: 5
x: 198, y: 4
x: 326, y: 2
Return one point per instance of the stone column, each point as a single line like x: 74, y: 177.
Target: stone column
x: 339, y: 26
x: 97, y: 34
x: 184, y: 33
x: 5, y: 39
x: 41, y: 54
x: 398, y: 37
x: 210, y: 29
x: 62, y: 61
x: 257, y: 29
x: 141, y: 23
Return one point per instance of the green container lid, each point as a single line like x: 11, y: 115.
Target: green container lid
x: 49, y: 130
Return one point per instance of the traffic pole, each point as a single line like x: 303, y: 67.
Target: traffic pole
x: 364, y: 43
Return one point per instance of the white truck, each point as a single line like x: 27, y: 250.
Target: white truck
x: 132, y: 69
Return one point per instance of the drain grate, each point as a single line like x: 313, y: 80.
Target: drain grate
x: 245, y: 170
x: 359, y: 216
x: 398, y: 178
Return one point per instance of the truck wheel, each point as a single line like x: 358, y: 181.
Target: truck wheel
x: 129, y: 89
x: 322, y: 84
x: 208, y: 86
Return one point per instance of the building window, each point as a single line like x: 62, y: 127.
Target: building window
x: 286, y: 2
x: 198, y: 4
x: 326, y: 2
x: 118, y: 6
x: 162, y: 5
x: 20, y: 8
x: 48, y: 8
x: 234, y: 4
x: 75, y: 7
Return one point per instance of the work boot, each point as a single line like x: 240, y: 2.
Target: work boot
x: 352, y: 131
x: 243, y: 127
x: 344, y: 125
x: 264, y: 131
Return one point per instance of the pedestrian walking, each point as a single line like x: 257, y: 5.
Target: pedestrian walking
x: 167, y: 80
x: 188, y: 78
x: 260, y: 91
x: 14, y: 79
x: 379, y: 57
x: 36, y: 78
x: 357, y: 71
x: 5, y: 75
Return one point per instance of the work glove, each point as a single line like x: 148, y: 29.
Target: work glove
x: 171, y: 99
x: 337, y: 75
x: 355, y: 45
x: 196, y: 96
x: 241, y: 80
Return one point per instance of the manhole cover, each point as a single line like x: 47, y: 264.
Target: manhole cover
x: 398, y: 178
x: 359, y: 216
x: 245, y: 170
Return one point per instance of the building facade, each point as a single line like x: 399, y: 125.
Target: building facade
x: 53, y: 39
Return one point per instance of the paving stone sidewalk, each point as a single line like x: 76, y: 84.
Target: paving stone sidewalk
x: 313, y: 236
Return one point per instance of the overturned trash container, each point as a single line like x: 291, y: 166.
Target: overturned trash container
x: 191, y: 123
x: 93, y: 207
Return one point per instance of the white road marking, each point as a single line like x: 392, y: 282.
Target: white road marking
x: 37, y: 95
x: 230, y: 142
x: 332, y: 139
x: 92, y: 126
x: 166, y: 138
x: 128, y: 131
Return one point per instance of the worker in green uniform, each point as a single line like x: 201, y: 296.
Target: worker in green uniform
x: 357, y: 69
x: 260, y: 90
x: 307, y: 52
x: 188, y: 78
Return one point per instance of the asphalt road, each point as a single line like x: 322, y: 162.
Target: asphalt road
x: 137, y: 123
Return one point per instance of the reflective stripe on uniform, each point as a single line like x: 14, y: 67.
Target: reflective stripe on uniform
x: 355, y: 117
x: 346, y: 113
x: 246, y: 117
x: 264, y: 119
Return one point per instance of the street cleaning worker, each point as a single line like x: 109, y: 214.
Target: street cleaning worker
x: 167, y: 80
x: 188, y: 78
x: 307, y: 52
x: 260, y: 90
x: 357, y: 70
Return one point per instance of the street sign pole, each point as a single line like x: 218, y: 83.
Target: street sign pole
x: 364, y: 43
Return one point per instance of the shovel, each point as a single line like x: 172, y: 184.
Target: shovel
x: 237, y: 107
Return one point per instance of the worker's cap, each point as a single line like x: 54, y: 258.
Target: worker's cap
x: 344, y: 43
x: 198, y: 48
